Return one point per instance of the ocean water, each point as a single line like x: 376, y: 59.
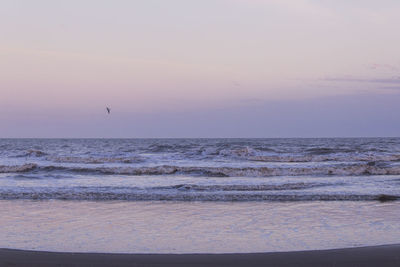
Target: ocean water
x: 359, y: 169
x: 198, y: 195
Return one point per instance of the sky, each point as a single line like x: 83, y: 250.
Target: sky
x: 209, y: 68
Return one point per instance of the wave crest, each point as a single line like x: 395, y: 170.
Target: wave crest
x: 144, y: 196
x: 18, y: 168
x: 371, y: 168
x: 234, y: 187
x: 349, y: 170
x: 92, y: 160
x: 323, y: 158
x: 32, y: 153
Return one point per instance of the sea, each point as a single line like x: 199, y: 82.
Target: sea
x: 198, y: 195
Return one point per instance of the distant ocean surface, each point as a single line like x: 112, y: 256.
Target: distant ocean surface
x: 241, y: 170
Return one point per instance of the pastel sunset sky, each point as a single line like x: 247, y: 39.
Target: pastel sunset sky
x: 206, y: 68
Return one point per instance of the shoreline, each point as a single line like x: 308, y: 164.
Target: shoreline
x: 384, y: 255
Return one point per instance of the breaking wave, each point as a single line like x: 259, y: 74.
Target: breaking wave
x: 196, y: 169
x: 92, y: 160
x: 18, y: 168
x: 323, y: 158
x: 231, y: 196
x: 259, y: 187
x: 242, y: 153
x: 33, y: 153
x: 309, y: 155
x: 371, y: 168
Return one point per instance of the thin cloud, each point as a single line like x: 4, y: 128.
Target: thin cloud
x: 376, y: 66
x: 365, y: 80
x: 392, y: 87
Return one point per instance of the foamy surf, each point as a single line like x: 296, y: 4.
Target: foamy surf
x: 201, y: 169
x: 370, y: 168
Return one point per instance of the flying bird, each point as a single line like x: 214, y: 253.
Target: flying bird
x: 108, y: 110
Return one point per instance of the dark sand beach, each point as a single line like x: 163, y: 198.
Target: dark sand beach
x: 364, y: 256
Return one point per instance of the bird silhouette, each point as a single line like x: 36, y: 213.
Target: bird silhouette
x: 108, y: 110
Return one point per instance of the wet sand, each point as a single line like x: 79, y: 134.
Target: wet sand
x: 364, y: 256
x: 190, y: 228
